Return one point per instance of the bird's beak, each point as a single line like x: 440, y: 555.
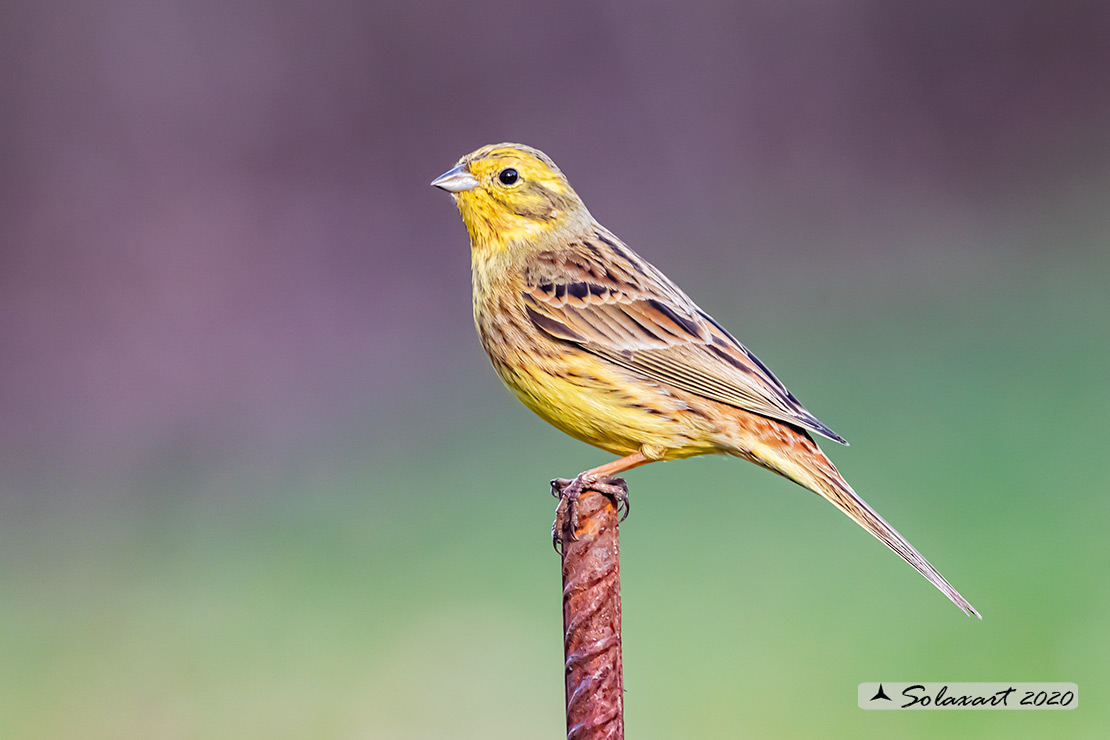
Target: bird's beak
x: 456, y: 180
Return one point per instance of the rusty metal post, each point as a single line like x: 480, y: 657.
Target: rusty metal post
x: 592, y: 622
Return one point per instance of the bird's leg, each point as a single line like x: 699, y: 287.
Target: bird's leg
x: 565, y: 526
x: 598, y: 479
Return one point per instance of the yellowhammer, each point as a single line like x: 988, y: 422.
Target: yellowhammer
x: 605, y: 347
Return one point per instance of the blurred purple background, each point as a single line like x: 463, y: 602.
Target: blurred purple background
x: 219, y: 243
x: 258, y: 480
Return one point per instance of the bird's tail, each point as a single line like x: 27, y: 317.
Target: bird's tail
x: 816, y: 472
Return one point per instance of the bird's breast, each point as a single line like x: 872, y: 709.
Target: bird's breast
x: 578, y: 392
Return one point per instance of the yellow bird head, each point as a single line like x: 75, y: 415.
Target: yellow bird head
x: 510, y: 194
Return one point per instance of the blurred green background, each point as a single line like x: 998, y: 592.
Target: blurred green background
x: 257, y: 479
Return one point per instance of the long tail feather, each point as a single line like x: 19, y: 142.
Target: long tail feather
x: 818, y: 474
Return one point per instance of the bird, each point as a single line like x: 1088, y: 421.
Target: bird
x: 602, y: 345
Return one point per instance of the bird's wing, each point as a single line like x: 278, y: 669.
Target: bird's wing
x: 626, y: 311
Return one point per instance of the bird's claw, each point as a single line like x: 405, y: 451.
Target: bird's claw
x: 565, y: 527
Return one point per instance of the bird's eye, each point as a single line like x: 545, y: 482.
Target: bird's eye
x: 508, y: 176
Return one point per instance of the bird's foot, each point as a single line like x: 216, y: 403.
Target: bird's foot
x: 565, y: 527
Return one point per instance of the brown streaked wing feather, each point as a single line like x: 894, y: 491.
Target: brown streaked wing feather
x: 654, y: 329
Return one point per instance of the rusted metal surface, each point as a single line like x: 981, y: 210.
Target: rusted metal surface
x: 592, y: 620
